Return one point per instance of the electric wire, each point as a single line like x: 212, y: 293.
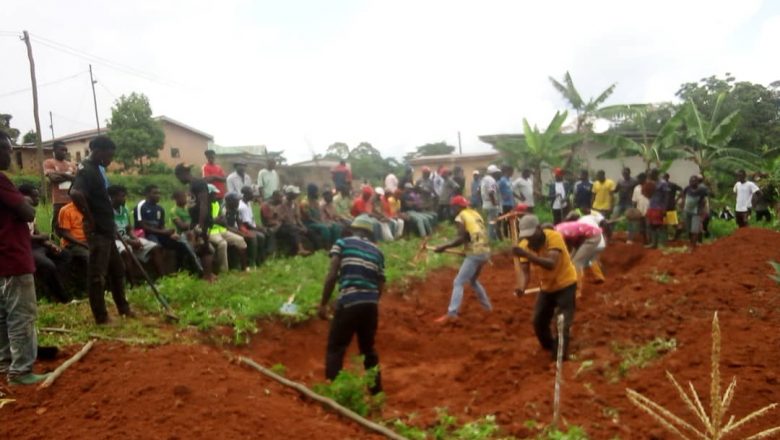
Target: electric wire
x: 56, y: 81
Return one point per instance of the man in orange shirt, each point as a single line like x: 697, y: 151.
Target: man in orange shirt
x: 214, y: 174
x: 70, y: 226
x: 60, y: 173
x: 546, y: 249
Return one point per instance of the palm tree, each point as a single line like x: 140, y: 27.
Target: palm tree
x: 586, y: 111
x: 657, y: 150
x: 708, y: 141
x: 540, y: 149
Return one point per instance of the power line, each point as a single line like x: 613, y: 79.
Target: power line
x: 101, y: 61
x: 56, y: 81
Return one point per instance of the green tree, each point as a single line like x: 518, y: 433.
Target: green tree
x: 431, y: 149
x: 337, y: 151
x: 656, y: 148
x: 708, y: 141
x: 540, y: 149
x: 758, y: 106
x: 5, y: 127
x: 30, y: 137
x: 137, y: 135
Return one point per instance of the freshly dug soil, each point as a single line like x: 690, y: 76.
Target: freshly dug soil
x: 492, y: 363
x: 168, y: 392
x: 483, y: 364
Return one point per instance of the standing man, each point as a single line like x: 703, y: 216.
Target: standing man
x: 603, y: 189
x: 268, y: 180
x: 506, y: 195
x: 490, y: 199
x: 744, y: 189
x: 213, y: 173
x: 359, y: 267
x: 636, y: 216
x: 657, y: 191
x: 694, y: 206
x: 61, y: 173
x: 625, y: 190
x: 523, y: 187
x: 559, y: 196
x: 448, y: 189
x: 583, y: 191
x: 472, y: 235
x: 238, y: 179
x: 18, y: 309
x: 546, y: 249
x: 671, y: 222
x: 105, y: 266
x: 476, y: 194
x: 341, y: 175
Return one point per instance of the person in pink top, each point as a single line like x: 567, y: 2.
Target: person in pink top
x: 214, y: 174
x: 583, y: 239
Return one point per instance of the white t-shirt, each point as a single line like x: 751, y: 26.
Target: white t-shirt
x: 560, y: 196
x: 642, y: 202
x: 526, y: 188
x: 391, y: 182
x: 245, y: 214
x: 488, y: 185
x: 744, y: 192
x: 594, y: 219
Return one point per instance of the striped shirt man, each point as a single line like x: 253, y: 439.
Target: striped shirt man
x: 362, y: 270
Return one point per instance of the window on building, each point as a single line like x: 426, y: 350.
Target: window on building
x: 175, y: 154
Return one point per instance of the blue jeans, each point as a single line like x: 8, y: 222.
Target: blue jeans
x: 469, y: 273
x: 18, y: 313
x: 492, y: 227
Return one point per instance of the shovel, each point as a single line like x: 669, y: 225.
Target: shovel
x: 289, y: 308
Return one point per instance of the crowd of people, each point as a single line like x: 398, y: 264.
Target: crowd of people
x: 212, y: 228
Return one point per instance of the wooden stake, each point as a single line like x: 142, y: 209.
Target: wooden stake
x: 330, y: 403
x: 558, y: 374
x: 65, y: 365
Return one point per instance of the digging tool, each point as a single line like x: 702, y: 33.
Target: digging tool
x: 289, y: 308
x: 168, y: 312
x: 421, y: 251
x: 513, y: 233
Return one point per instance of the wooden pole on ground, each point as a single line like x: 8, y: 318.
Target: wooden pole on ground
x: 65, y: 365
x: 330, y: 403
x: 558, y: 374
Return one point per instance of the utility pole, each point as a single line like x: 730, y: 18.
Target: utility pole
x: 460, y: 147
x: 51, y: 124
x: 38, y: 144
x: 94, y: 98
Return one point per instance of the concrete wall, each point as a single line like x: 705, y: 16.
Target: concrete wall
x: 680, y: 171
x: 191, y: 146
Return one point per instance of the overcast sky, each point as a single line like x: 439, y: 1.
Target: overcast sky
x: 300, y: 75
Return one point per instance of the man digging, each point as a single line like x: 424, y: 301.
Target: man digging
x: 546, y: 249
x: 359, y: 267
x: 472, y: 235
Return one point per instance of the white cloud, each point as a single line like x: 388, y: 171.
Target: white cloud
x: 299, y: 75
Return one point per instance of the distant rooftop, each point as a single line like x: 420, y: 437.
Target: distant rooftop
x: 452, y: 157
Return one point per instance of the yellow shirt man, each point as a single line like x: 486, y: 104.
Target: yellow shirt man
x: 563, y: 274
x: 475, y: 226
x: 603, y: 194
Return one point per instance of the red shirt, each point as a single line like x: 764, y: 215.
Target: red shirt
x: 361, y: 206
x: 15, y: 244
x: 215, y: 170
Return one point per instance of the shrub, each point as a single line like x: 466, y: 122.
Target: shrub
x: 350, y: 389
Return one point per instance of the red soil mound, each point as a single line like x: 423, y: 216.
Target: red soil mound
x: 491, y: 363
x: 168, y: 392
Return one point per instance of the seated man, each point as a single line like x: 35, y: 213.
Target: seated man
x: 143, y: 249
x: 271, y: 216
x: 363, y: 206
x: 70, y: 226
x: 232, y: 221
x: 182, y: 220
x: 150, y: 217
x: 383, y: 205
x: 411, y: 205
x: 49, y: 258
x: 331, y: 213
x: 292, y: 228
x: 256, y: 236
x: 311, y: 214
x: 220, y: 237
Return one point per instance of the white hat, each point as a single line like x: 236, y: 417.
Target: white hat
x: 527, y: 226
x: 291, y: 189
x: 379, y: 190
x: 491, y: 169
x: 475, y: 172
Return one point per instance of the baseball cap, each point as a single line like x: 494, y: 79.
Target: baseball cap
x: 362, y: 222
x: 527, y: 226
x: 475, y: 172
x: 425, y: 169
x: 521, y: 208
x: 493, y: 169
x: 557, y: 171
x: 379, y: 190
x: 459, y: 201
x: 367, y: 191
x: 408, y: 185
x: 292, y: 189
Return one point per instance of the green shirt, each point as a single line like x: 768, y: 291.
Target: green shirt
x: 182, y: 214
x: 122, y: 220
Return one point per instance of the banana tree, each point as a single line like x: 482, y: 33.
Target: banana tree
x: 540, y: 149
x: 656, y: 151
x: 708, y: 141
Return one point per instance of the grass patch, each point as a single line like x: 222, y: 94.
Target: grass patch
x: 447, y: 427
x: 350, y: 389
x: 639, y: 356
x: 573, y: 432
x: 662, y: 277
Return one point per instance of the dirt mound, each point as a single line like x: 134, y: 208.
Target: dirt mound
x: 169, y: 392
x: 491, y: 363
